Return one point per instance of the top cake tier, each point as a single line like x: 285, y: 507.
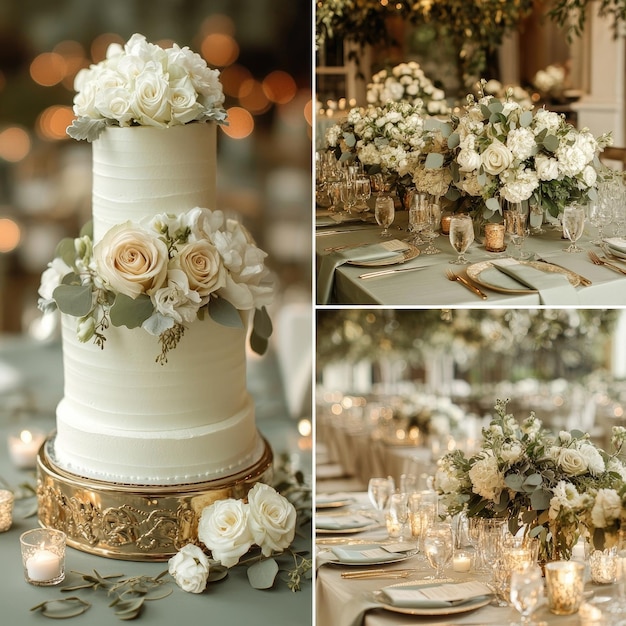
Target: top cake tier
x: 142, y: 171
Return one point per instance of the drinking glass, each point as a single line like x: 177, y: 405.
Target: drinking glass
x: 397, y: 514
x: 379, y: 491
x: 573, y: 225
x: 438, y: 546
x: 433, y: 219
x: 417, y: 217
x: 333, y: 187
x: 600, y: 215
x: 461, y: 236
x: 516, y: 227
x: 526, y: 591
x: 385, y: 213
x: 348, y: 194
x: 363, y: 191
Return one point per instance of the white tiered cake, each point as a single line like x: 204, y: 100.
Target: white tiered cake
x: 156, y: 310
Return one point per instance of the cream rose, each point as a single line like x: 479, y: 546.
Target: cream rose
x: 201, y: 262
x: 131, y: 260
x: 151, y: 97
x: 571, y: 461
x: 496, y: 158
x: 190, y: 568
x: 223, y: 529
x: 272, y: 519
x: 606, y: 509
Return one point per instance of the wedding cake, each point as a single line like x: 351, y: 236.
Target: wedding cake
x: 157, y: 302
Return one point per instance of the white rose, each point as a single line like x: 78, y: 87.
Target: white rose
x: 151, y: 97
x: 496, y: 158
x: 571, y: 461
x: 115, y: 104
x: 50, y: 279
x: 85, y: 101
x: 468, y: 160
x: 589, y: 176
x: 202, y: 264
x: 593, y: 458
x: 223, y: 529
x: 176, y: 299
x: 190, y: 568
x: 606, y: 508
x: 131, y: 260
x: 272, y: 519
x: 546, y: 167
x: 183, y: 100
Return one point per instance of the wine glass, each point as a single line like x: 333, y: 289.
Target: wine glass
x: 573, y: 225
x: 600, y: 214
x: 526, y: 591
x: 363, y: 191
x: 385, y: 213
x: 515, y: 224
x: 333, y: 187
x: 461, y: 236
x: 348, y: 193
x: 379, y: 491
x: 417, y: 217
x: 438, y: 547
x: 432, y: 220
x: 398, y: 514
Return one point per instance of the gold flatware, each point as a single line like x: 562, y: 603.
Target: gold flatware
x: 595, y: 259
x: 346, y: 246
x: 585, y: 282
x: 456, y: 277
x: 377, y: 573
x: 392, y: 271
x: 334, y: 231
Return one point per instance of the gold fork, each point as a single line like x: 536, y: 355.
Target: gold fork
x: 598, y: 261
x: 455, y: 277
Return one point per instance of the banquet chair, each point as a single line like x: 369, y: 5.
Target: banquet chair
x: 614, y: 154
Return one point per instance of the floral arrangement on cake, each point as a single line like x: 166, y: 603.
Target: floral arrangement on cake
x: 547, y: 484
x: 142, y: 84
x: 503, y: 151
x: 406, y: 82
x: 160, y: 275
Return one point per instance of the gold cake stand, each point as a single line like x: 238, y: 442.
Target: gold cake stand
x: 132, y: 522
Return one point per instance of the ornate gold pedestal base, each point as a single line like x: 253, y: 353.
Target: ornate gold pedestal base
x: 132, y: 522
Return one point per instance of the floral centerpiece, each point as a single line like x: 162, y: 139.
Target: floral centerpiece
x: 406, y: 82
x: 142, y: 84
x: 161, y: 275
x: 503, y: 151
x: 553, y: 486
x: 433, y: 415
x: 550, y: 82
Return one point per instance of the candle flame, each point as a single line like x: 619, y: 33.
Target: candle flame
x: 26, y: 436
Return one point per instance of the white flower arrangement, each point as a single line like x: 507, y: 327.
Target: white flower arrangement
x: 160, y: 275
x: 407, y: 82
x: 229, y: 528
x: 550, y: 81
x: 143, y: 84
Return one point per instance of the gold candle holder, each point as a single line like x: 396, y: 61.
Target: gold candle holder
x: 446, y: 218
x: 494, y: 238
x: 603, y: 566
x: 564, y: 585
x: 6, y: 509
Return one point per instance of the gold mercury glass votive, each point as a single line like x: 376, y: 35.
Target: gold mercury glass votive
x: 564, y: 586
x: 603, y: 566
x: 494, y: 238
x: 446, y: 218
x: 6, y: 509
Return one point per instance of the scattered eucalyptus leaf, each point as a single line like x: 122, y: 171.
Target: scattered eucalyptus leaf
x: 217, y: 572
x: 263, y: 573
x: 64, y: 608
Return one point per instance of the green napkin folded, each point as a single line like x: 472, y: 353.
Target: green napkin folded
x: 365, y: 556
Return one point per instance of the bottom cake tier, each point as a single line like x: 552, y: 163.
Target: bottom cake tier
x: 132, y: 522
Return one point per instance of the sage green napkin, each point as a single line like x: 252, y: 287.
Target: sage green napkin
x: 435, y: 596
x: 553, y: 288
x: 330, y: 262
x: 329, y: 522
x: 364, y: 555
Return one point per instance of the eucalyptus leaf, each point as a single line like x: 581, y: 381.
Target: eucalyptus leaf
x: 262, y: 323
x: 66, y: 251
x: 131, y: 312
x: 526, y: 119
x: 87, y: 230
x: 540, y: 499
x: 263, y: 573
x: 75, y: 300
x: 257, y: 343
x: 534, y: 480
x: 495, y: 106
x: 493, y: 205
x: 224, y: 313
x: 551, y: 143
x: 454, y: 140
x: 64, y: 608
x: 350, y: 139
x: 514, y: 482
x: 217, y: 572
x: 434, y: 161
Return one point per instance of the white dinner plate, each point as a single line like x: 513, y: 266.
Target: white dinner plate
x: 345, y: 531
x: 394, y: 557
x: 333, y: 504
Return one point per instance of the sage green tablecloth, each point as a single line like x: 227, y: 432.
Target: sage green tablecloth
x: 430, y: 287
x: 229, y: 602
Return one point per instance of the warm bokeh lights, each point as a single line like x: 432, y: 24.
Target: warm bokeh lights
x: 14, y: 144
x: 53, y: 122
x: 9, y: 234
x: 279, y: 87
x: 219, y: 49
x: 240, y: 123
x: 48, y: 69
x: 100, y: 44
x: 232, y: 78
x: 252, y: 96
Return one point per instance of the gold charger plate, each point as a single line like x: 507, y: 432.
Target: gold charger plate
x: 474, y: 271
x: 402, y: 257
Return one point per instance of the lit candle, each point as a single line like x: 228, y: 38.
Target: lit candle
x: 494, y: 237
x: 43, y: 565
x: 445, y: 224
x: 578, y: 552
x: 461, y: 562
x: 564, y: 584
x: 23, y: 448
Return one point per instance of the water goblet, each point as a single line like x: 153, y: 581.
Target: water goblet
x: 397, y: 514
x: 516, y: 227
x: 432, y: 220
x: 573, y: 225
x: 384, y: 212
x: 379, y: 491
x: 461, y: 236
x: 526, y: 591
x: 333, y: 187
x: 600, y: 215
x: 348, y: 194
x: 417, y: 217
x: 363, y: 191
x: 438, y: 547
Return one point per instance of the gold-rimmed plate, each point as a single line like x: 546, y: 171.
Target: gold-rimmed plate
x: 332, y: 503
x: 403, y: 256
x: 486, y: 275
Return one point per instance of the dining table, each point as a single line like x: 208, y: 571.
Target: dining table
x: 31, y: 385
x: 346, y: 273
x: 349, y: 593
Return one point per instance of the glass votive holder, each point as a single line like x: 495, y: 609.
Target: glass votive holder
x: 494, y: 237
x: 564, y: 586
x: 6, y: 509
x: 43, y: 556
x: 603, y: 566
x: 462, y: 561
x: 446, y: 218
x: 24, y: 445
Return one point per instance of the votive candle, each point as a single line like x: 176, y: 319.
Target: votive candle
x: 24, y: 446
x: 445, y: 224
x: 564, y: 584
x: 43, y: 556
x: 461, y: 561
x: 494, y: 237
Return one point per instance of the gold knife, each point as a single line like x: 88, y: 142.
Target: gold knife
x: 471, y: 287
x: 393, y: 271
x: 585, y: 282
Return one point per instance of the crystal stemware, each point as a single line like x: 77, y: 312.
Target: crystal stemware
x: 526, y: 591
x: 363, y: 191
x: 461, y: 236
x: 379, y: 491
x: 398, y: 513
x: 333, y: 187
x: 438, y: 547
x: 516, y: 227
x: 573, y: 225
x: 433, y: 219
x: 417, y: 217
x: 348, y: 194
x: 384, y: 212
x: 600, y: 215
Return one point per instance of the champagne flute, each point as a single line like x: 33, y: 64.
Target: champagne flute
x: 461, y: 236
x: 526, y: 591
x: 438, y: 547
x: 363, y: 191
x: 417, y: 217
x: 379, y: 491
x: 573, y: 225
x: 385, y: 213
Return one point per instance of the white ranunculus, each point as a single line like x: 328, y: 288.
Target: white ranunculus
x: 176, y: 299
x: 496, y: 158
x: 202, y: 264
x: 131, y: 260
x: 606, y: 509
x: 272, y: 519
x: 223, y: 529
x: 190, y: 568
